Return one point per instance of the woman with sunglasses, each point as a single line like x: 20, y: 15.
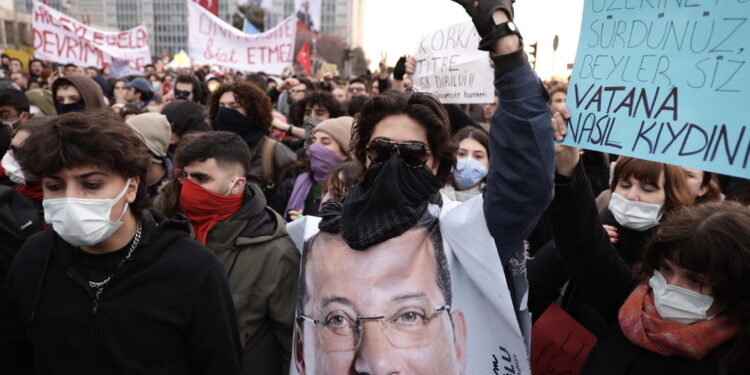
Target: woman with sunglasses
x: 403, y: 139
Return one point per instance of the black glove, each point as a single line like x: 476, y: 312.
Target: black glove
x: 481, y: 15
x: 399, y: 71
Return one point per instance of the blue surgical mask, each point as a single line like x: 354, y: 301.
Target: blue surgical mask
x: 469, y: 172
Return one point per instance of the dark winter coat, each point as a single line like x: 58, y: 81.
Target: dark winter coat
x: 168, y: 310
x: 604, y: 280
x: 262, y: 266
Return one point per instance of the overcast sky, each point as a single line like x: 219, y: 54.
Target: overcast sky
x: 396, y: 26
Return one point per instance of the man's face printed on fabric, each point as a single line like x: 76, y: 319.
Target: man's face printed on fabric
x: 391, y: 292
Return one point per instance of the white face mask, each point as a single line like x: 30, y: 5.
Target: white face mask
x: 13, y: 169
x: 83, y: 222
x: 679, y: 304
x: 635, y: 215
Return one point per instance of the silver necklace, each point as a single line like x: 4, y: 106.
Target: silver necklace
x: 136, y: 239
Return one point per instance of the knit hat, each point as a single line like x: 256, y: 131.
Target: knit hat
x: 185, y: 117
x: 340, y: 129
x: 155, y: 131
x: 42, y: 99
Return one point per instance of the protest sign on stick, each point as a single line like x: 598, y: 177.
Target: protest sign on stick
x: 665, y: 81
x: 450, y: 66
x: 213, y: 41
x: 60, y: 38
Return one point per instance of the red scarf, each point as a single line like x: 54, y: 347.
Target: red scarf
x: 205, y: 209
x: 33, y: 191
x: 642, y: 325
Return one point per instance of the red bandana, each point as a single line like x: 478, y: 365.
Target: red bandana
x: 33, y: 191
x: 642, y: 325
x: 205, y: 209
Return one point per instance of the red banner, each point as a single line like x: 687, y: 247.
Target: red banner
x: 210, y: 5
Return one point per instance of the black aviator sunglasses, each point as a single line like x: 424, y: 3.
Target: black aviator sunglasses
x: 412, y: 153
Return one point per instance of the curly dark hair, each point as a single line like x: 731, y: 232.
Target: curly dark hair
x: 711, y: 239
x: 252, y: 99
x: 320, y: 98
x: 422, y: 108
x: 87, y: 139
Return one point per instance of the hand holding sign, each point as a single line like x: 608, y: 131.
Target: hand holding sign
x: 566, y: 157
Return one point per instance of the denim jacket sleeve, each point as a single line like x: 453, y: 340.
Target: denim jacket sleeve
x: 520, y: 182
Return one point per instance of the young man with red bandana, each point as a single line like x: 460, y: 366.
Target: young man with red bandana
x: 231, y: 218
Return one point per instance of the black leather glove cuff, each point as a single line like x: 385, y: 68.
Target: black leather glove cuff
x: 497, y: 32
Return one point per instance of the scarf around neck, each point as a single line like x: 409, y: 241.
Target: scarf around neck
x: 642, y: 325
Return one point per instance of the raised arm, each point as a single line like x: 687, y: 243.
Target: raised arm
x: 601, y: 276
x: 520, y: 179
x: 521, y: 171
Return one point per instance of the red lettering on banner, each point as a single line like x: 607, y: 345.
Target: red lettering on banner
x: 218, y: 54
x: 72, y: 45
x: 46, y: 42
x: 269, y: 55
x: 288, y: 30
x: 142, y: 38
x: 98, y: 38
x: 64, y: 23
x: 41, y: 15
x: 80, y: 30
x: 37, y: 39
x: 122, y: 40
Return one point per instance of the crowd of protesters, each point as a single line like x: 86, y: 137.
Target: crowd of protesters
x: 143, y: 218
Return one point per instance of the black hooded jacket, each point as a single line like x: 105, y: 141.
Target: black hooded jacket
x: 168, y: 310
x: 19, y: 219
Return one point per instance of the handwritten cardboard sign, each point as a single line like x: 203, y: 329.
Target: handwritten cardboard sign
x: 666, y: 81
x: 559, y: 344
x: 450, y: 66
x: 213, y: 41
x: 60, y: 38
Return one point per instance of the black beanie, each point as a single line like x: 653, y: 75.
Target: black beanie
x: 185, y: 116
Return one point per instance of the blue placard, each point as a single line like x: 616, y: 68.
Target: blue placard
x: 664, y: 80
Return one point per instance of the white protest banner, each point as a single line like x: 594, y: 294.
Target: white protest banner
x: 213, y: 41
x: 60, y: 38
x: 450, y: 66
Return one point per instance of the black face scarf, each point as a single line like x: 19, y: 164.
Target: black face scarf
x: 231, y: 120
x: 78, y: 106
x: 388, y: 202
